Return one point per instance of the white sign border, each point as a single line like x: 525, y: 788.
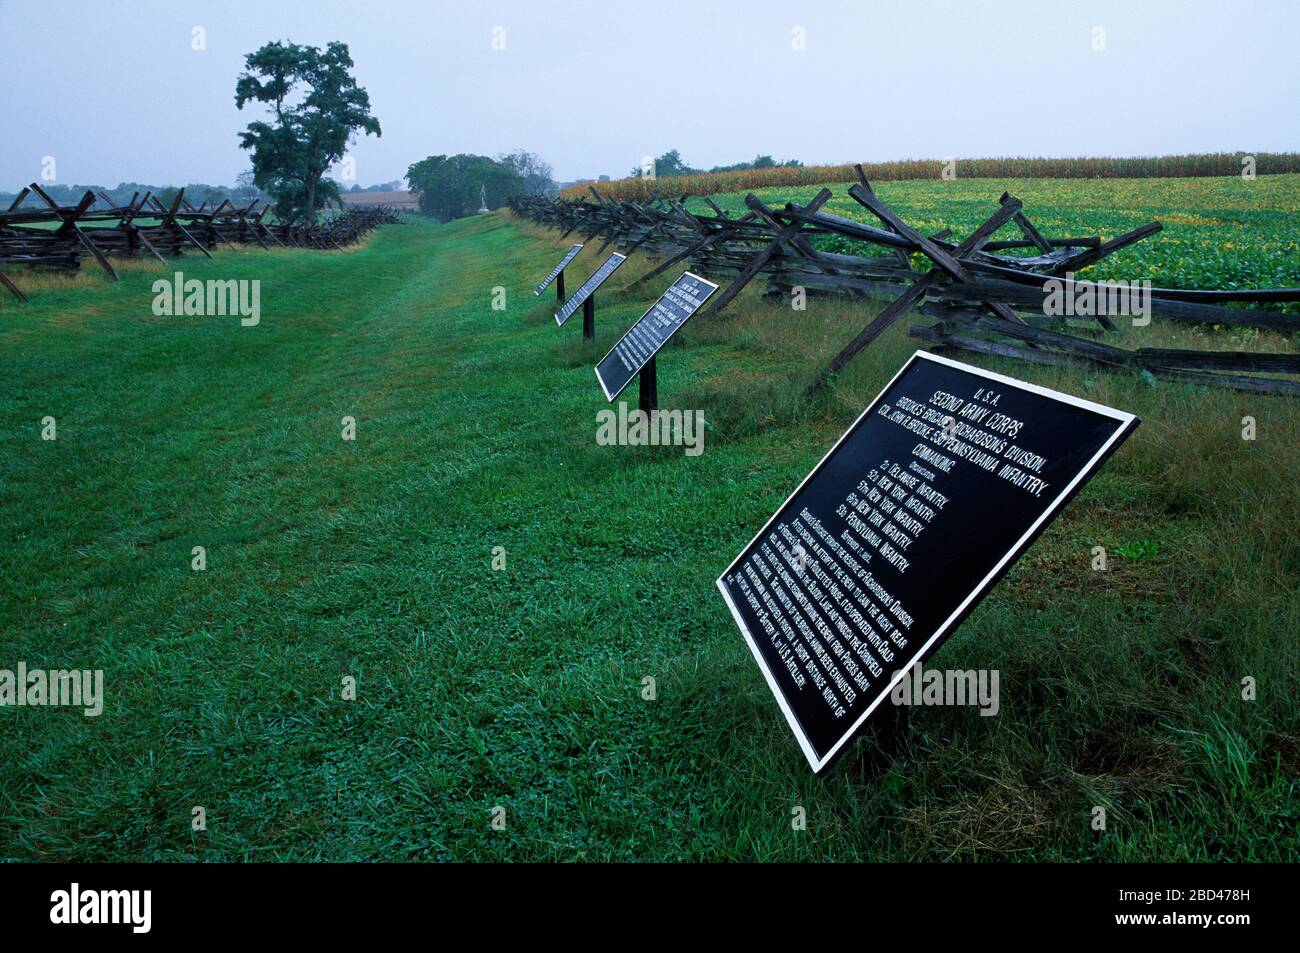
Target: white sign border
x: 1127, y: 423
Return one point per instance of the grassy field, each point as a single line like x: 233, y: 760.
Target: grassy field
x: 521, y: 688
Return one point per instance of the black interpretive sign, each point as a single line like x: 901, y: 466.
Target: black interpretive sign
x: 571, y: 254
x: 651, y: 332
x: 895, y: 536
x: 607, y: 268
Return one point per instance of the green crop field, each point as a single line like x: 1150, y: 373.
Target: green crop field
x: 1218, y: 232
x: 521, y: 688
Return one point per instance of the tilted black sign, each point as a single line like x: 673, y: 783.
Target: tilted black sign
x: 568, y: 257
x: 607, y: 268
x: 651, y: 332
x: 900, y: 530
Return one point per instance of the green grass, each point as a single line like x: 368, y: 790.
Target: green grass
x: 522, y: 688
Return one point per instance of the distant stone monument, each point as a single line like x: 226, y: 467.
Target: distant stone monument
x: 482, y: 200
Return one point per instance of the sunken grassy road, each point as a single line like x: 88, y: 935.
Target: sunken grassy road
x: 522, y: 688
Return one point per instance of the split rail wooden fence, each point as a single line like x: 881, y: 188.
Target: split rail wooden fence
x: 49, y: 236
x: 980, y: 298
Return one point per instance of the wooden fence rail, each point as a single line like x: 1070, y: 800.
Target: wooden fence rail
x: 971, y: 284
x: 44, y: 234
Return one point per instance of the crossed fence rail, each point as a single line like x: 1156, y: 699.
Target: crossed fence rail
x: 981, y: 299
x: 51, y: 236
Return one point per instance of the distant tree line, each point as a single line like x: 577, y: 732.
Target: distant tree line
x: 451, y: 187
x: 196, y: 193
x: 394, y: 186
x: 672, y: 165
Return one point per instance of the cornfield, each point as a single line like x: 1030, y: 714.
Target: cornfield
x: 1140, y: 167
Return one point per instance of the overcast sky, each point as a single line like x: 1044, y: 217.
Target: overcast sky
x: 115, y: 91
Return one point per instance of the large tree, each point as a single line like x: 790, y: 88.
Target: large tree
x: 317, y: 107
x: 450, y: 186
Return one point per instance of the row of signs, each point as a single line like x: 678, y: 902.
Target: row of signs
x: 913, y: 515
x: 651, y: 331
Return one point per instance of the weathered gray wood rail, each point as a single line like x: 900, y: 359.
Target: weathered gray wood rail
x: 969, y: 284
x: 43, y: 234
